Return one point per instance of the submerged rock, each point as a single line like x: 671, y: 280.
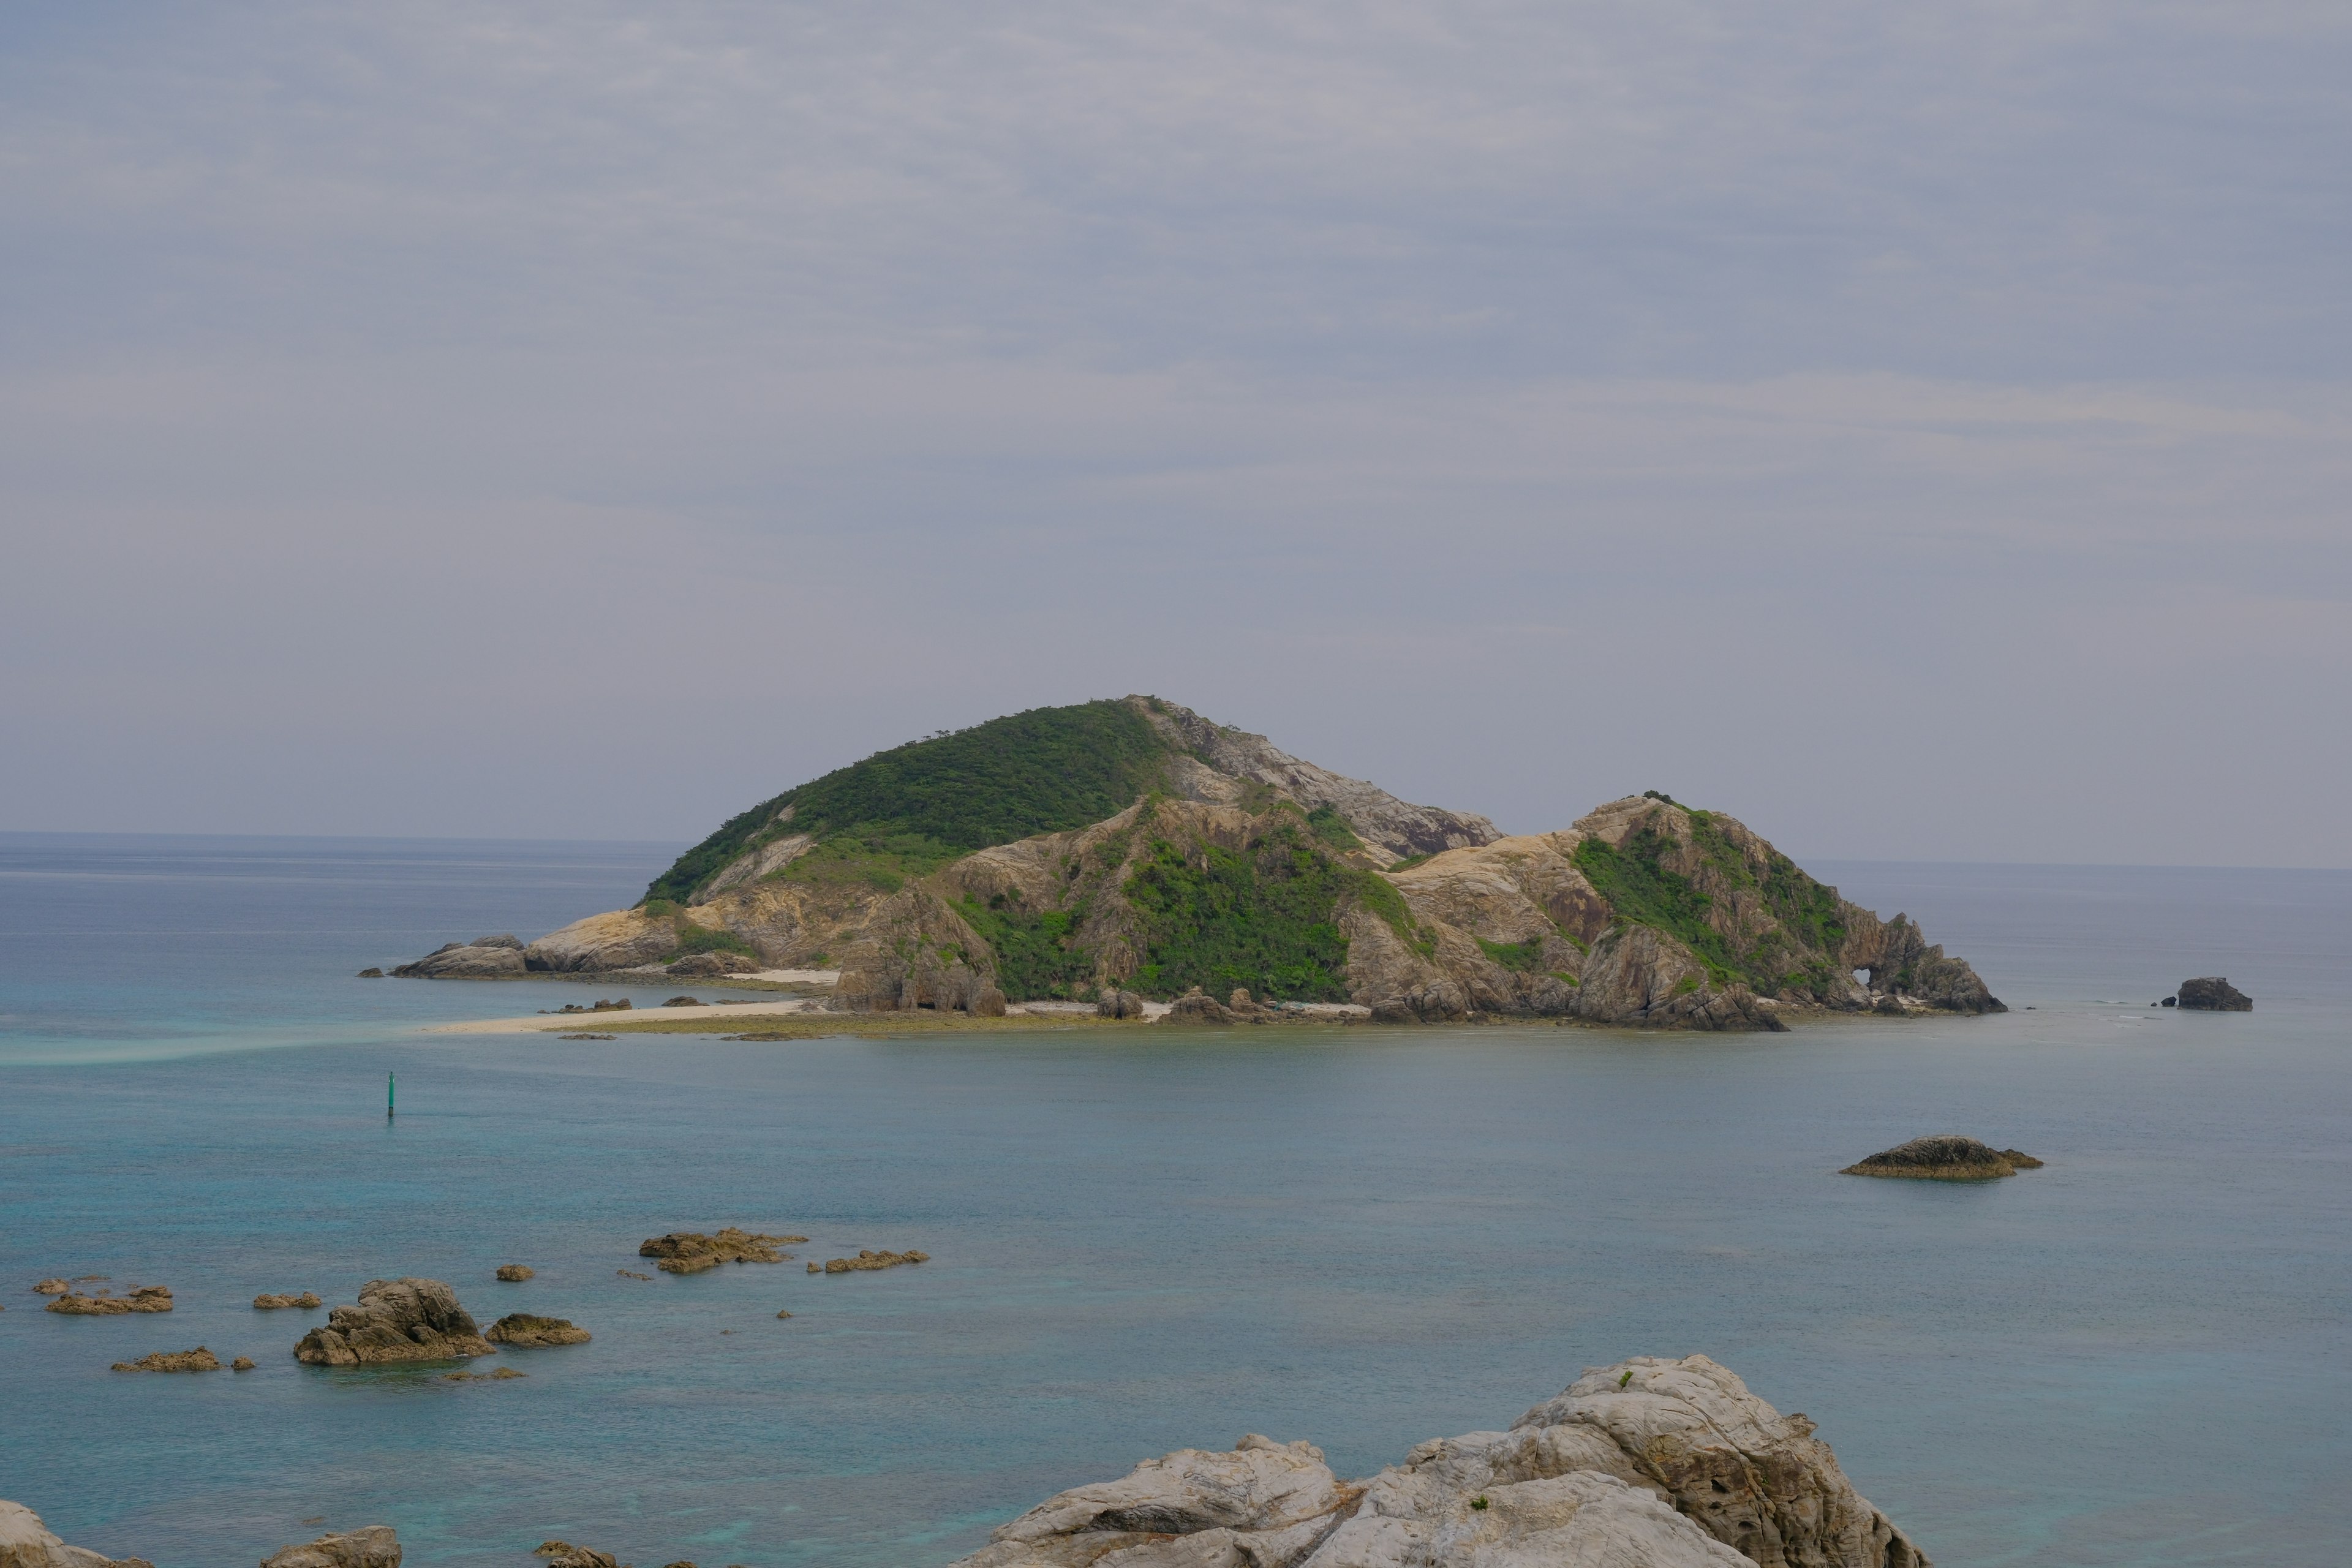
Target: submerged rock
x: 516, y: 1273
x: 196, y: 1360
x: 483, y: 958
x: 306, y: 1300
x: 52, y: 1287
x: 2214, y: 994
x: 395, y: 1321
x: 1652, y: 1463
x: 691, y: 1252
x: 374, y: 1547
x: 525, y: 1330
x: 143, y: 1299
x: 868, y: 1259
x: 25, y: 1542
x: 1946, y: 1157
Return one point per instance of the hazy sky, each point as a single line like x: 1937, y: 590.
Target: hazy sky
x: 1923, y: 431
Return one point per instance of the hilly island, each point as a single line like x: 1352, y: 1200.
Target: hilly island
x: 1118, y: 850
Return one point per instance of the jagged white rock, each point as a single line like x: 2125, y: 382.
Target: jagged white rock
x: 1652, y: 1463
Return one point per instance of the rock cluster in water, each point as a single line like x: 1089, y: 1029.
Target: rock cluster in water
x: 395, y: 1321
x: 2214, y: 993
x: 868, y: 1259
x: 1944, y: 1157
x: 526, y: 1330
x: 197, y: 1360
x: 691, y: 1252
x: 143, y: 1299
x: 1651, y: 1462
x: 307, y: 1299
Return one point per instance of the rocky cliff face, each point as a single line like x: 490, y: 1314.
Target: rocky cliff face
x: 1665, y: 1464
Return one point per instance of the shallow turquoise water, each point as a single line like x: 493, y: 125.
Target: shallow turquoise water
x: 2136, y: 1356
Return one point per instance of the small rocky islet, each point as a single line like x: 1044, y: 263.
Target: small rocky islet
x: 1081, y: 853
x: 395, y: 1321
x: 691, y: 1252
x: 1944, y: 1157
x: 141, y: 1298
x: 1659, y: 1462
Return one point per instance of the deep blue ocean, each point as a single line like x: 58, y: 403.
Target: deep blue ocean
x: 2137, y: 1356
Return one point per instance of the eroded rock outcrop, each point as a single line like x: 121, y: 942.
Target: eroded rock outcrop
x: 141, y: 1299
x: 374, y: 1547
x: 526, y: 1331
x: 267, y: 1303
x: 868, y: 1259
x: 1944, y: 1157
x: 197, y: 1360
x: 395, y: 1321
x: 691, y: 1252
x: 25, y: 1542
x: 483, y: 958
x: 1651, y: 1462
x: 2212, y: 993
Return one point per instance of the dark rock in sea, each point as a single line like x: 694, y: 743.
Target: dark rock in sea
x: 143, y: 1299
x: 868, y: 1259
x: 395, y: 1321
x: 587, y: 1036
x: 370, y: 974
x: 516, y: 1273
x: 683, y: 1002
x: 483, y: 958
x: 2214, y: 994
x: 242, y: 1364
x: 525, y: 1331
x: 1118, y: 1004
x: 1654, y: 1462
x: 784, y: 1314
x: 306, y: 1300
x: 196, y: 1360
x: 1946, y: 1157
x: 691, y: 1252
x: 374, y: 1547
x: 2168, y: 1001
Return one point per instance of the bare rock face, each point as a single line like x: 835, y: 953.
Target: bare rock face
x: 524, y: 1331
x: 1944, y: 1157
x: 374, y: 1547
x: 691, y: 1252
x: 395, y: 1321
x: 1651, y: 1462
x: 483, y: 958
x: 143, y: 1299
x: 196, y: 1360
x: 307, y: 1299
x: 2214, y: 994
x: 1116, y: 1004
x: 25, y: 1542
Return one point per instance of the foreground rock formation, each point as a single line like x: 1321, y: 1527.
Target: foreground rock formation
x: 1648, y: 1464
x: 1149, y: 839
x: 25, y: 1542
x: 526, y: 1331
x: 143, y: 1299
x: 2214, y: 994
x: 691, y: 1252
x: 374, y: 1547
x: 395, y: 1321
x: 1944, y: 1157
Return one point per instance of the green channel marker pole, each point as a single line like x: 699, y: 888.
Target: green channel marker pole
x: 387, y: 1096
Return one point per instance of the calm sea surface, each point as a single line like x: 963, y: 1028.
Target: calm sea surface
x: 2140, y: 1355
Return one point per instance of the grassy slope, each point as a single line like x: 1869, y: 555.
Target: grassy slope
x: 1638, y: 889
x: 909, y: 809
